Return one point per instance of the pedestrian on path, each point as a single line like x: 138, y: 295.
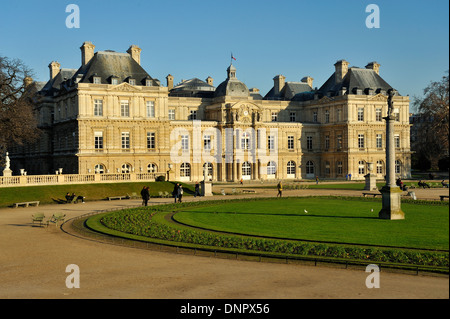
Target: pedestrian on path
x: 280, y: 189
x: 145, y: 194
x: 175, y: 191
x: 180, y: 193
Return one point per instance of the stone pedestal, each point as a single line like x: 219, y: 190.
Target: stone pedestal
x: 371, y: 182
x: 391, y: 199
x: 7, y: 172
x: 206, y: 188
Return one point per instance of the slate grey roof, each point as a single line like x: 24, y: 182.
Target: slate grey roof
x: 106, y: 64
x: 193, y: 88
x: 54, y: 85
x: 356, y: 78
x: 288, y: 92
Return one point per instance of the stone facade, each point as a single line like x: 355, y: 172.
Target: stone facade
x: 111, y: 116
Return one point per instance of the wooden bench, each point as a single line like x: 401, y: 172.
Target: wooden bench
x: 371, y: 194
x: 118, y: 197
x: 38, y: 218
x: 443, y: 196
x: 26, y: 204
x: 248, y: 191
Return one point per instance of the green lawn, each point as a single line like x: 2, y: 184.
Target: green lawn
x: 48, y: 194
x: 329, y: 220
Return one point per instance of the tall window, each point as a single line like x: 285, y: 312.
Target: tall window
x: 245, y: 141
x: 150, y: 109
x: 315, y: 117
x: 327, y: 142
x: 309, y: 167
x: 379, y: 167
x: 207, y: 142
x: 98, y: 140
x: 291, y: 168
x: 360, y: 114
x: 125, y: 140
x: 361, y: 167
x: 339, y: 168
x: 185, y: 170
x: 327, y: 168
x: 338, y: 115
x: 271, y: 142
x: 309, y: 143
x: 124, y: 108
x: 98, y: 107
x: 397, y: 140
x: 271, y: 168
x: 290, y: 142
x: 151, y: 140
x: 361, y: 140
x: 185, y: 142
x: 398, y: 167
x: 327, y: 116
x: 378, y: 116
x: 339, y: 142
x: 171, y: 114
x: 246, y: 169
x: 379, y: 140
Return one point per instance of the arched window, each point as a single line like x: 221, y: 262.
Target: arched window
x: 271, y: 168
x: 361, y: 167
x: 246, y: 170
x: 380, y: 165
x: 185, y: 170
x: 309, y: 168
x: 99, y: 169
x: 210, y: 169
x: 126, y: 168
x: 152, y: 168
x: 291, y: 169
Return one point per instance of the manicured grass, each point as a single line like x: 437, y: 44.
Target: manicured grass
x: 328, y: 220
x: 48, y: 194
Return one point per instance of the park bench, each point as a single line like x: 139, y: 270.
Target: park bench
x: 26, y: 204
x: 38, y: 218
x: 371, y: 194
x: 443, y: 196
x: 248, y: 191
x: 56, y: 218
x: 118, y: 197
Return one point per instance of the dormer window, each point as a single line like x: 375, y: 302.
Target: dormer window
x: 78, y: 78
x: 148, y: 82
x: 114, y: 80
x: 132, y: 81
x: 97, y: 80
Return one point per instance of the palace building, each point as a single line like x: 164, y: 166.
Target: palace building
x: 111, y: 116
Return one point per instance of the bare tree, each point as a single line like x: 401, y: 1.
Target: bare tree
x: 433, y: 110
x: 18, y: 123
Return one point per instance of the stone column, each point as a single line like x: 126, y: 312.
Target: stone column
x: 391, y: 193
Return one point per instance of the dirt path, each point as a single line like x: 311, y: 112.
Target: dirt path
x: 33, y: 263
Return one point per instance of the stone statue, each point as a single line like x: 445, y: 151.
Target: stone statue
x: 7, y: 161
x: 390, y: 102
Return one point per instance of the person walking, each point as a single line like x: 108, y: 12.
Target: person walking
x: 317, y: 179
x: 145, y: 194
x: 175, y: 191
x: 280, y: 189
x: 180, y: 193
x: 197, y: 189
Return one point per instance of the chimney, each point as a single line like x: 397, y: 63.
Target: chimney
x: 135, y: 53
x: 341, y: 70
x: 27, y: 81
x: 169, y: 79
x: 87, y: 52
x: 54, y: 69
x: 374, y: 66
x: 209, y: 80
x: 278, y: 83
x: 308, y: 80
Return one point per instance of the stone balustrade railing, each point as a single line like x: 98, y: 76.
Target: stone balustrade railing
x: 61, y: 179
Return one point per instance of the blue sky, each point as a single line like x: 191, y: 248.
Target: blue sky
x: 194, y: 38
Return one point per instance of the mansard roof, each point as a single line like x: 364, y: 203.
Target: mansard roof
x: 288, y: 92
x: 107, y: 64
x: 193, y: 88
x: 54, y: 85
x: 355, y: 79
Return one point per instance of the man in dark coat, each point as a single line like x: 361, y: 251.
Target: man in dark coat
x: 145, y: 194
